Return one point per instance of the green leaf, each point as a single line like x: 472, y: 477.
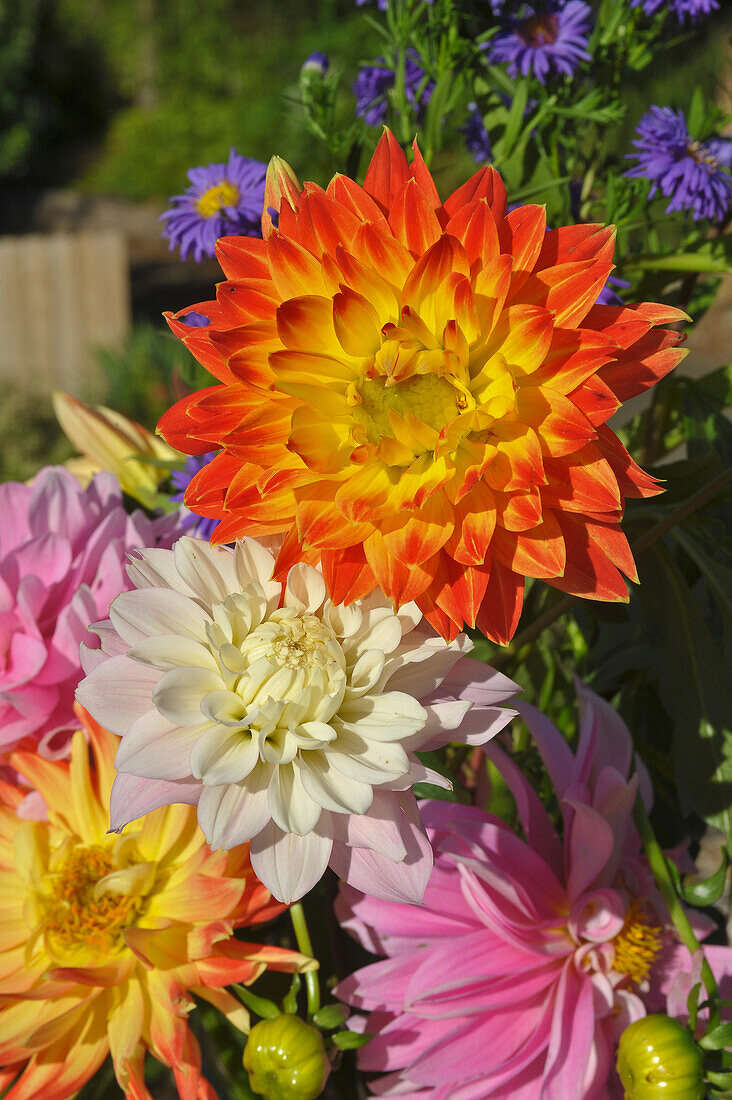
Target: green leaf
x: 697, y: 112
x: 688, y: 262
x: 350, y: 1040
x: 719, y: 1038
x: 693, y: 685
x: 330, y: 1016
x: 263, y: 1007
x: 709, y: 890
x: 515, y: 118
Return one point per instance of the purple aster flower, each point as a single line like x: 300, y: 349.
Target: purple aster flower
x: 316, y: 62
x: 374, y: 81
x: 477, y: 138
x: 682, y: 9
x: 542, y: 37
x: 384, y: 4
x: 684, y: 170
x: 721, y: 149
x: 607, y: 296
x: 195, y: 320
x: 200, y: 526
x: 223, y: 199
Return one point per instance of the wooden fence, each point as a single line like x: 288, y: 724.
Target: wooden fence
x: 62, y: 295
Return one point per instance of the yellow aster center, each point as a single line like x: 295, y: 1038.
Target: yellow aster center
x: 215, y: 198
x: 76, y: 911
x: 429, y: 398
x: 636, y: 945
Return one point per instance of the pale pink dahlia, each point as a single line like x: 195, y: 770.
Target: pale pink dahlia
x: 62, y: 555
x: 290, y: 721
x: 529, y: 957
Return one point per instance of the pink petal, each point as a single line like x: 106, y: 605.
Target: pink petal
x: 118, y: 692
x: 133, y: 797
x: 537, y: 825
x: 555, y: 752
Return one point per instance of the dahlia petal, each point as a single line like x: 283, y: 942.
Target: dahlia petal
x: 133, y: 797
x: 148, y: 612
x: 178, y: 694
x: 388, y: 171
x: 500, y: 610
x: 134, y: 684
x: 294, y: 270
x: 289, y: 865
x: 413, y: 220
x: 383, y: 718
x: 486, y: 184
x: 573, y: 1028
x: 521, y: 234
x: 291, y: 806
x: 540, y: 552
x: 330, y: 789
x: 371, y: 871
x: 233, y: 814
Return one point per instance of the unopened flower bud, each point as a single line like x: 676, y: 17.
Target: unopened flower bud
x: 317, y: 62
x: 280, y: 185
x: 285, y: 1059
x: 659, y: 1060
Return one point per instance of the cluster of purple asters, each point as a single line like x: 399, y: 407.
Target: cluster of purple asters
x: 543, y: 37
x: 477, y: 138
x: 374, y: 81
x: 381, y: 4
x: 223, y: 199
x: 688, y: 172
x: 682, y: 9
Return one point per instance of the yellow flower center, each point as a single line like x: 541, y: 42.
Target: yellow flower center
x: 215, y: 198
x: 636, y: 945
x: 429, y: 398
x: 77, y: 911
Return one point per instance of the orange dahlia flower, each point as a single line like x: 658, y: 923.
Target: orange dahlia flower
x: 103, y: 938
x: 415, y: 393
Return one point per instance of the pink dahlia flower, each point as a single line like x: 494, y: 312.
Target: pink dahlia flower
x: 62, y: 555
x: 290, y: 721
x: 529, y: 957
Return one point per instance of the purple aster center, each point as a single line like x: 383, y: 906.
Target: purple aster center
x: 539, y: 30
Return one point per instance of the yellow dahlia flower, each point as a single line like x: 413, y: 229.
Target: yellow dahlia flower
x: 104, y: 938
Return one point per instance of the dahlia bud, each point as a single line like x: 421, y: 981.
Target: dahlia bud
x: 285, y: 1059
x: 659, y: 1060
x: 280, y: 185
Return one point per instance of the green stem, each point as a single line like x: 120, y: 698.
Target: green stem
x: 304, y: 943
x: 659, y: 866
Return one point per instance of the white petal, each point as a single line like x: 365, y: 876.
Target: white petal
x: 343, y: 621
x: 365, y: 674
x: 154, y: 748
x: 226, y: 708
x: 305, y: 589
x: 117, y: 692
x: 166, y: 651
x: 179, y: 693
x: 389, y: 717
x: 151, y: 611
x: 233, y: 814
x: 418, y: 773
x: 289, y: 865
x: 132, y: 797
x: 253, y: 563
x: 155, y: 568
x: 291, y: 806
x: 368, y: 762
x: 207, y: 570
x: 442, y: 719
x: 380, y: 629
x: 479, y: 725
x: 330, y: 788
x: 421, y: 670
x: 222, y: 756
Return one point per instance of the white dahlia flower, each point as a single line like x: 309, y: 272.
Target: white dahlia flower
x: 290, y: 721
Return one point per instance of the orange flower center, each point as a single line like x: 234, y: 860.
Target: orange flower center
x: 636, y: 945
x: 539, y: 30
x: 215, y: 198
x: 78, y: 912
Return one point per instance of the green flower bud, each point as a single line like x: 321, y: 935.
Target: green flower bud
x: 659, y: 1060
x: 285, y: 1059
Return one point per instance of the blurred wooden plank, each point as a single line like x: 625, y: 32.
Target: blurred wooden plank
x: 63, y: 296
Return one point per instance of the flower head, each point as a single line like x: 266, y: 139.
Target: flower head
x: 103, y: 939
x: 529, y: 956
x: 543, y: 37
x: 685, y: 170
x: 222, y: 199
x: 374, y: 81
x: 201, y: 526
x: 419, y: 397
x: 62, y: 554
x: 317, y: 62
x: 291, y: 721
x: 682, y: 9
